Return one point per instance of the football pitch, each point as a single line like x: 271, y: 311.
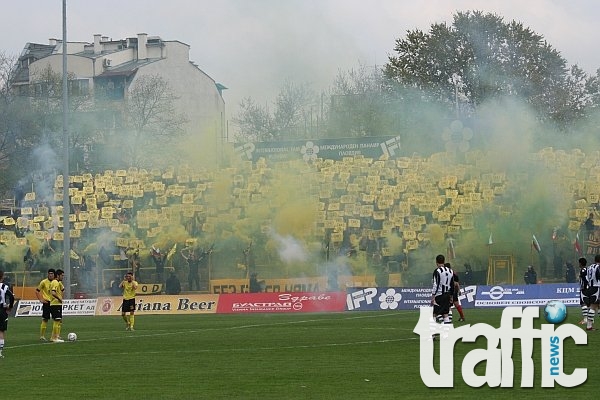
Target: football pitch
x: 360, y: 355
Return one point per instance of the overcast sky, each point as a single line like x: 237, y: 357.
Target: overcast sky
x: 252, y: 46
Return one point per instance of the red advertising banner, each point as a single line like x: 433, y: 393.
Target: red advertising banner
x: 281, y: 302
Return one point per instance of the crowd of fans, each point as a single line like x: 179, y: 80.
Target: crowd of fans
x: 380, y: 208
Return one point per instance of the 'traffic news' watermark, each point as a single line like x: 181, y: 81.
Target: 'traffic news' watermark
x: 498, y: 355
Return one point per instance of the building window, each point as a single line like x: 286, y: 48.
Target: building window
x: 79, y: 87
x: 111, y: 88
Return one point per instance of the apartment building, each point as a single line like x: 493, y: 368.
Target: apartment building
x: 113, y: 66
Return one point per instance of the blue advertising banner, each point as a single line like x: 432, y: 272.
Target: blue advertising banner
x: 526, y: 295
x: 372, y: 298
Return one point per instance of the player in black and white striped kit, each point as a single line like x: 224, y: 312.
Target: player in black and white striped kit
x: 442, y: 289
x: 582, y: 288
x: 591, y: 295
x: 7, y: 300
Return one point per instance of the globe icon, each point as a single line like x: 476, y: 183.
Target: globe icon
x: 555, y: 312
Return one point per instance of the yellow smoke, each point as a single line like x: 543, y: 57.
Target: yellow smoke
x: 296, y: 219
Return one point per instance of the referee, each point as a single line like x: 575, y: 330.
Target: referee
x: 7, y: 301
x: 442, y: 289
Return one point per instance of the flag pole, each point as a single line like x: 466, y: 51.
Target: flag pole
x: 531, y: 253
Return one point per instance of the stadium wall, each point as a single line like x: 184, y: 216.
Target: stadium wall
x: 353, y: 299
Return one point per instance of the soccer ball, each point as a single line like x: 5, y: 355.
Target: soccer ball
x: 72, y: 337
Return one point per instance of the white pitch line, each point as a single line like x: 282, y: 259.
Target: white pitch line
x: 170, y: 333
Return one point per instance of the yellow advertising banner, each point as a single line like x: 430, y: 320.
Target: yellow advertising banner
x: 149, y: 288
x: 317, y: 284
x: 162, y: 304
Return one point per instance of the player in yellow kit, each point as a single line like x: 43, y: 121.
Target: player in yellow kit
x: 57, y: 289
x: 44, y: 295
x: 129, y: 287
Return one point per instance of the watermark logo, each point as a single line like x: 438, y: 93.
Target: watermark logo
x: 555, y: 312
x: 498, y: 354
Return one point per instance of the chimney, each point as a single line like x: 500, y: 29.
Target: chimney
x: 52, y: 41
x: 97, y: 45
x: 142, y: 41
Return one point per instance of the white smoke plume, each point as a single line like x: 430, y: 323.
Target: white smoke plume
x: 290, y: 249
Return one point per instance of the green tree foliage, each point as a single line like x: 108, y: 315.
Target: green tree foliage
x: 481, y: 57
x: 365, y: 103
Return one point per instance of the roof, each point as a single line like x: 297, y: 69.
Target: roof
x: 126, y: 69
x: 37, y: 50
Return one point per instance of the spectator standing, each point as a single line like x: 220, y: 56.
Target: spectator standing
x: 173, y: 286
x: 159, y: 262
x: 530, y: 276
x: 193, y: 262
x: 570, y: 275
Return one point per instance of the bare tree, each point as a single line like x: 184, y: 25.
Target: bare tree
x: 255, y: 123
x: 297, y: 114
x: 18, y: 128
x: 151, y: 119
x: 359, y: 105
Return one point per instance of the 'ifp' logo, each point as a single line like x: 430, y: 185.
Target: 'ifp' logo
x: 498, y: 355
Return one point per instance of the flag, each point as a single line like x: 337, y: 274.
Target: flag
x: 451, y: 252
x: 490, y: 241
x: 536, y: 245
x: 576, y: 244
x: 172, y: 251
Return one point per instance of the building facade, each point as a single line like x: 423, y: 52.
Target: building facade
x: 112, y: 67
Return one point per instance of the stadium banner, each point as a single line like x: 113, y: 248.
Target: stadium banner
x: 149, y: 288
x: 526, y: 295
x: 222, y: 286
x: 294, y: 302
x: 161, y: 304
x: 33, y: 308
x: 334, y: 149
x: 399, y: 298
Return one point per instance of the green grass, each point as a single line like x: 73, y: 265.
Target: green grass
x: 361, y: 355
